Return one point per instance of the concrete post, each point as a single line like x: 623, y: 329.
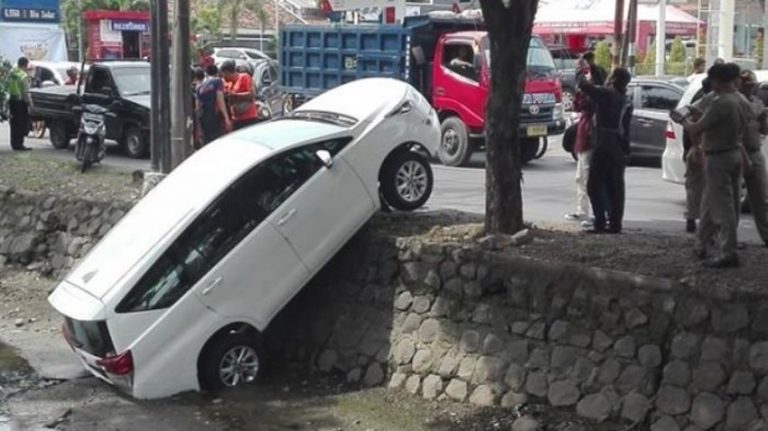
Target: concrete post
x: 181, y: 102
x: 661, y: 37
x: 160, y: 96
x: 725, y: 30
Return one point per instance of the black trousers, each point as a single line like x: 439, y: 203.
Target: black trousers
x: 237, y: 125
x: 19, y: 122
x: 605, y: 186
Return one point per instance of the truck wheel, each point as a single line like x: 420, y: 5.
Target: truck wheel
x: 59, y: 135
x: 406, y: 180
x: 232, y: 360
x: 287, y: 104
x: 454, y: 143
x: 529, y: 149
x: 133, y: 143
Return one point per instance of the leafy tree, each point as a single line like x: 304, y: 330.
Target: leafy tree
x: 235, y: 8
x: 603, y: 55
x: 677, y: 51
x: 757, y: 50
x: 509, y: 24
x: 650, y: 56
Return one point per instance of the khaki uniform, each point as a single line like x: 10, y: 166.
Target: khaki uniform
x: 722, y: 125
x: 755, y: 176
x: 694, y: 171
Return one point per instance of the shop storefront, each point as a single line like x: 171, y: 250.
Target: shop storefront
x: 114, y: 35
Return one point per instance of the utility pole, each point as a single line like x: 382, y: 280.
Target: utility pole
x: 181, y: 102
x: 632, y: 35
x: 618, y: 31
x: 160, y: 88
x: 80, y: 54
x: 725, y: 34
x: 661, y: 37
x: 765, y: 34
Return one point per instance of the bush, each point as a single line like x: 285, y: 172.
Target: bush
x: 603, y: 55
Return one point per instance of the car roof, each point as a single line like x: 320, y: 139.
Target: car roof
x: 695, y: 85
x: 123, y: 64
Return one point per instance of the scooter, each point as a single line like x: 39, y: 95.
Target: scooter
x: 90, y: 147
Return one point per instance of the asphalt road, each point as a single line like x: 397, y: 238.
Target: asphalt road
x: 548, y: 189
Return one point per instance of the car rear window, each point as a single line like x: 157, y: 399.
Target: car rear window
x: 91, y: 336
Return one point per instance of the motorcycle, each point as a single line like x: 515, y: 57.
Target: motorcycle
x: 90, y: 147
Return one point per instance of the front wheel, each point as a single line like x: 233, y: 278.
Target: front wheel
x: 59, y: 135
x: 406, y: 181
x: 88, y: 157
x: 134, y: 143
x: 529, y: 149
x: 454, y: 149
x: 233, y: 360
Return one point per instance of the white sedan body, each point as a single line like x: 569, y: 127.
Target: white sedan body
x: 672, y: 163
x: 174, y: 270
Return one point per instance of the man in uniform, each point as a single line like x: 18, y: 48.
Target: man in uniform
x: 18, y: 104
x: 755, y: 175
x: 721, y: 128
x: 694, y: 161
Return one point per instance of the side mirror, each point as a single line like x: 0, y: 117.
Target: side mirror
x: 325, y: 158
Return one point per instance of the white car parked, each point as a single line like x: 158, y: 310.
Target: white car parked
x: 175, y: 296
x: 672, y: 163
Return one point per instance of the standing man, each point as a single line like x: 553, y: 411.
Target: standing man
x: 605, y: 184
x: 755, y: 176
x: 694, y: 161
x: 18, y: 92
x: 212, y: 113
x: 596, y: 71
x: 240, y: 96
x: 699, y: 67
x: 720, y: 127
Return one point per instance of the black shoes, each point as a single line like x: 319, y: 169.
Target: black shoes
x: 690, y: 225
x: 22, y: 149
x: 730, y: 261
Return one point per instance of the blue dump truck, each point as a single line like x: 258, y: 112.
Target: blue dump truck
x: 421, y: 51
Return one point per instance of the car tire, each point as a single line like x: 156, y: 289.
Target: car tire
x: 134, y: 144
x: 455, y: 149
x: 59, y: 135
x: 568, y: 98
x: 237, y: 351
x: 406, y: 180
x: 529, y: 149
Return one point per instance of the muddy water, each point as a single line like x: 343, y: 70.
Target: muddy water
x: 15, y: 374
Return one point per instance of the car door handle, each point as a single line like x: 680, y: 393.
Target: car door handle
x: 286, y: 217
x: 214, y: 284
x: 440, y: 91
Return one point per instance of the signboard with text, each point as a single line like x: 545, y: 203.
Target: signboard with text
x: 43, y: 11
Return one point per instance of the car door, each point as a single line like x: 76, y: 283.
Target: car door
x: 656, y: 100
x: 332, y: 205
x: 460, y: 87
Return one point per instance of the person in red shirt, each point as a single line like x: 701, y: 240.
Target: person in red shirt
x: 240, y: 96
x: 71, y: 76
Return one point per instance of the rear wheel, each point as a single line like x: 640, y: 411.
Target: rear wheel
x: 59, y: 135
x: 232, y: 360
x: 454, y: 149
x: 134, y: 143
x: 406, y: 180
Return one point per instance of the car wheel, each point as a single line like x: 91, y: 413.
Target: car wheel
x: 568, y: 98
x: 406, y: 181
x: 529, y: 149
x: 233, y: 360
x: 454, y: 143
x: 133, y: 143
x: 59, y: 135
x: 38, y: 129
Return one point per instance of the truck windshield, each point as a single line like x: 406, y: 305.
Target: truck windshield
x: 539, y: 62
x: 132, y: 81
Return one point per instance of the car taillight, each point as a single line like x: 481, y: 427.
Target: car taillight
x: 670, y: 132
x: 120, y: 365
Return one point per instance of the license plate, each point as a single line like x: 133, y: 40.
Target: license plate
x: 537, y: 130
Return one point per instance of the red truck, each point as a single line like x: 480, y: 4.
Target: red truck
x: 445, y: 58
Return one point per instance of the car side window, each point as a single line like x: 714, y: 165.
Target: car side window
x: 460, y: 59
x: 658, y: 98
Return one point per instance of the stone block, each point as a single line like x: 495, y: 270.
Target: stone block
x: 483, y: 396
x: 685, y: 345
x: 488, y: 369
x: 581, y: 369
x: 609, y: 372
x: 397, y: 380
x: 673, y: 400
x: 729, y: 318
x: 625, y: 347
x: 677, y: 373
x: 432, y: 387
x: 563, y: 393
x: 404, y: 351
x: 450, y: 363
x: 429, y: 330
x: 707, y: 410
x: 740, y: 414
x: 454, y: 286
x: 563, y: 356
x: 536, y: 330
x: 354, y: 375
x: 519, y: 327
x: 665, y: 423
x: 741, y: 383
x: 580, y: 337
x: 470, y: 341
x: 421, y: 304
x: 411, y: 324
x: 601, y: 341
x: 708, y: 376
x: 412, y: 384
x: 758, y: 358
x: 457, y: 390
x: 536, y: 384
x: 374, y: 375
x: 422, y: 361
x: 650, y: 356
x: 526, y: 423
x: 432, y: 280
x: 492, y: 344
x: 715, y: 349
x: 518, y: 351
x: 467, y: 367
x: 442, y: 307
x: 539, y: 357
x: 635, y: 318
x: 635, y: 407
x: 596, y: 407
x: 558, y: 330
x: 514, y: 378
x: 327, y: 360
x: 513, y: 399
x: 448, y: 270
x: 691, y: 312
x: 632, y: 378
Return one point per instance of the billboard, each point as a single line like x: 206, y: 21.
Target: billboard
x: 36, y: 42
x: 42, y: 11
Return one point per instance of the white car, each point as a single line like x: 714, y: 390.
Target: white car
x: 672, y: 163
x: 175, y: 296
x: 235, y: 53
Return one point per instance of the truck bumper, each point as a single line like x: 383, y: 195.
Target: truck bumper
x: 542, y: 130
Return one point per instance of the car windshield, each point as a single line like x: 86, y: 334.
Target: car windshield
x: 132, y: 81
x: 539, y: 62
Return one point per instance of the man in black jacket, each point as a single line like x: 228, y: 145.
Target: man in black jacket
x: 605, y: 185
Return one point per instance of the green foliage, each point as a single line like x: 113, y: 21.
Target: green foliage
x: 650, y: 55
x: 236, y: 7
x: 5, y: 71
x: 603, y: 55
x: 757, y: 51
x: 677, y: 51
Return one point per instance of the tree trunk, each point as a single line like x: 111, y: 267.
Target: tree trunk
x: 509, y: 31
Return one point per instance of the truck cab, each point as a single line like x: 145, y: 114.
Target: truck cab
x: 461, y: 78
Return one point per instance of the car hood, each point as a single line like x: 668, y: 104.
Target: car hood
x: 63, y: 90
x: 364, y: 99
x: 162, y: 214
x: 143, y: 100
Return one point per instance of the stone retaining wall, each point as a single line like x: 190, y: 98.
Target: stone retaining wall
x: 464, y: 324
x: 49, y: 233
